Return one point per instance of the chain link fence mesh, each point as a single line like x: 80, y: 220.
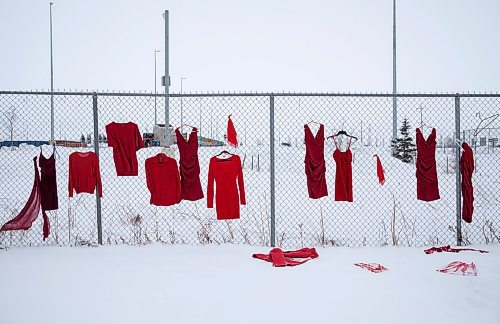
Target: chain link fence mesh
x: 386, y: 214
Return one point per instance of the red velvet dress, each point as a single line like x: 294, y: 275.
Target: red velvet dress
x: 48, y: 183
x: 189, y: 166
x: 466, y: 170
x: 315, y: 162
x: 230, y: 191
x: 343, y: 174
x: 427, y: 181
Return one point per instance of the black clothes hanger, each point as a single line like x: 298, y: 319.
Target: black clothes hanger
x: 224, y: 152
x: 343, y: 132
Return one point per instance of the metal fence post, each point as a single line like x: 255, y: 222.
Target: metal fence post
x: 273, y: 203
x: 96, y: 150
x: 457, y: 171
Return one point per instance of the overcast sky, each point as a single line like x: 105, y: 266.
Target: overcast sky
x: 259, y: 45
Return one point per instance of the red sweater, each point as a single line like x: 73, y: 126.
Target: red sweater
x: 163, y: 180
x: 84, y: 173
x: 125, y: 140
x: 228, y: 196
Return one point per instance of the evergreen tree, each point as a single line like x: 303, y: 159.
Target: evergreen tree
x: 403, y: 146
x: 89, y: 138
x: 82, y: 139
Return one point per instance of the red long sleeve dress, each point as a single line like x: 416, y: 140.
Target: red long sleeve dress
x: 163, y: 180
x: 227, y: 174
x: 427, y: 181
x: 466, y: 170
x: 84, y: 173
x: 314, y: 161
x: 125, y: 140
x: 189, y: 166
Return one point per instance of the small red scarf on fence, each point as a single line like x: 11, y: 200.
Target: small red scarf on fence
x: 231, y: 135
x: 447, y: 248
x: 281, y: 258
x: 380, y: 171
x: 29, y: 213
x: 460, y: 268
x: 373, y: 267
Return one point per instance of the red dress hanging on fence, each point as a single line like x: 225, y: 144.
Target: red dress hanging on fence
x: 343, y: 173
x: 315, y: 162
x: 427, y: 181
x: 189, y: 166
x: 466, y: 170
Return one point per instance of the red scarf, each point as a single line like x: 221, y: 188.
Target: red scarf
x: 231, y: 133
x: 380, y: 171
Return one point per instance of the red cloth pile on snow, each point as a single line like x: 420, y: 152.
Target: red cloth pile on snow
x: 281, y: 258
x: 373, y: 267
x: 460, y: 268
x: 447, y: 248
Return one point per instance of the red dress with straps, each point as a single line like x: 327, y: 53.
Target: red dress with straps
x: 427, y: 181
x: 189, y: 166
x: 315, y: 162
x: 343, y: 173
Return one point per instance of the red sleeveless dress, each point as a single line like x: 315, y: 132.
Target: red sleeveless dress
x: 189, y: 166
x: 343, y: 174
x: 315, y: 162
x: 466, y: 170
x: 427, y: 181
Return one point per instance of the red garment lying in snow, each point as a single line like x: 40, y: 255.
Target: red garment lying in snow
x: 460, y: 268
x: 447, y: 248
x: 281, y: 258
x: 373, y: 267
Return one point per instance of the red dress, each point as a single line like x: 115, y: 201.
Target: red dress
x: 84, y: 173
x: 189, y: 166
x: 343, y: 174
x: 315, y: 162
x: 427, y: 181
x: 48, y: 183
x: 163, y: 180
x: 125, y: 140
x: 466, y: 170
x: 230, y: 190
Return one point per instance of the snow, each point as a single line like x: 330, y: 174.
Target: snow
x: 222, y: 284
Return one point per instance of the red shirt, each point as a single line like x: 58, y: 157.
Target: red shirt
x: 163, y: 180
x: 125, y: 140
x: 228, y: 196
x: 84, y: 173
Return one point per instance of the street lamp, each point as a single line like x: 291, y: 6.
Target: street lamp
x: 182, y: 78
x: 156, y: 121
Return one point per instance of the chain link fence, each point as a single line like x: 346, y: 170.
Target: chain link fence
x: 278, y: 210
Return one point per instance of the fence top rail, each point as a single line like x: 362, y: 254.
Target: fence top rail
x: 251, y: 94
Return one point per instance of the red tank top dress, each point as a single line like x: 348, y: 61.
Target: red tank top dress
x: 343, y: 173
x: 315, y: 162
x: 427, y: 181
x: 189, y: 166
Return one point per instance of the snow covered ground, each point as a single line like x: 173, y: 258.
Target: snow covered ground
x: 223, y: 284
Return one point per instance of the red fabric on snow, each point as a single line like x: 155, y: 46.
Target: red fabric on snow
x: 29, y: 213
x: 231, y: 136
x: 466, y: 170
x: 227, y: 175
x: 460, y: 268
x: 84, y: 173
x: 380, y: 171
x: 125, y: 139
x: 315, y: 162
x: 163, y: 180
x: 427, y: 181
x: 281, y: 258
x: 373, y: 267
x: 447, y: 248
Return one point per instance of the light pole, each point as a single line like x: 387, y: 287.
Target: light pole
x: 394, y: 100
x: 51, y: 82
x: 182, y: 78
x: 156, y: 121
x: 199, y: 128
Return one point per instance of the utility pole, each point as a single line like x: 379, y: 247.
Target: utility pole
x: 167, y: 84
x: 421, y: 119
x: 51, y: 82
x: 156, y: 120
x: 394, y: 99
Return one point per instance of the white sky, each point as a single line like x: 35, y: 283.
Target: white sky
x: 259, y: 45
